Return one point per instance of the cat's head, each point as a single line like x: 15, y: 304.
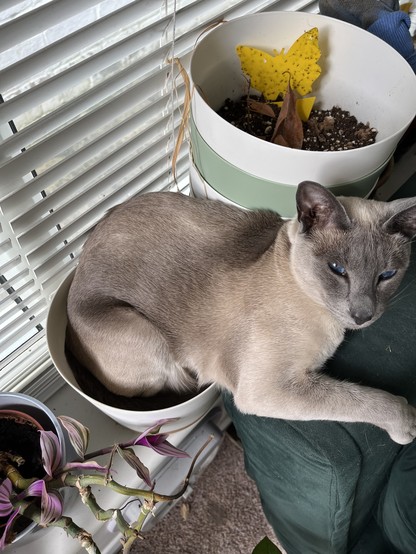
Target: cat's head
x: 350, y: 254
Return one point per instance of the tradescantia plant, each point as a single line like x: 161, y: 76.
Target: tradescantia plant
x: 40, y: 499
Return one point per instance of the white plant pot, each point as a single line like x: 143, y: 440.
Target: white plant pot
x: 201, y: 189
x: 360, y: 73
x: 184, y: 414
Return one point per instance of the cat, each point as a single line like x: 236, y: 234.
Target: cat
x: 172, y: 290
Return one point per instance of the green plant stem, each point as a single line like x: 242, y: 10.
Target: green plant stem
x: 83, y: 484
x: 130, y: 534
x: 100, y: 452
x: 33, y: 512
x: 10, y: 471
x: 88, y: 498
x: 83, y: 481
x: 146, y: 508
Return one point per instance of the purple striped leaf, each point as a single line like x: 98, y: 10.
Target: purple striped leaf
x: 6, y: 529
x: 130, y: 457
x: 78, y: 434
x: 51, y: 452
x: 84, y: 465
x: 51, y: 501
x: 157, y: 442
x: 6, y: 506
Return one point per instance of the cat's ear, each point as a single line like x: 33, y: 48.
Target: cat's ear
x: 317, y: 207
x: 404, y: 220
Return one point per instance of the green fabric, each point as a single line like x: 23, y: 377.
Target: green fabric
x: 397, y: 507
x: 317, y: 480
x: 320, y: 482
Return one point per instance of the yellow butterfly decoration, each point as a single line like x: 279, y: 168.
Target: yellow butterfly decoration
x: 270, y: 74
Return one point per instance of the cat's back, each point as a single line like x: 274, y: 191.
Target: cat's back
x: 178, y: 209
x: 173, y: 220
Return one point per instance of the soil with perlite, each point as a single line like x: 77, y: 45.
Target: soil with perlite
x: 329, y: 130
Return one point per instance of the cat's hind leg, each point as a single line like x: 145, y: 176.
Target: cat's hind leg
x: 126, y: 353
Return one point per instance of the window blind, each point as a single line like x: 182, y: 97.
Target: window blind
x: 90, y: 105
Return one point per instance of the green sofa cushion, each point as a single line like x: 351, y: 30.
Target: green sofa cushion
x: 396, y: 512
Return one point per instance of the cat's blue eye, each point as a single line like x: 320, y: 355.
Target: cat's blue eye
x: 386, y: 275
x: 338, y: 269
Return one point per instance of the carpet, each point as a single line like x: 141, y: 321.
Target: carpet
x: 223, y: 514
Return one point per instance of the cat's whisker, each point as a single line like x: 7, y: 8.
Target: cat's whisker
x: 400, y: 295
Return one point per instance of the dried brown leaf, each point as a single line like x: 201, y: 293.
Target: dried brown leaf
x: 288, y: 130
x: 261, y: 107
x: 185, y: 509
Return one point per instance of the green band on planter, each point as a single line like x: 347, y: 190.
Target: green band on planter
x: 252, y: 192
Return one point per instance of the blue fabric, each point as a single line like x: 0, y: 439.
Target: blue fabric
x: 383, y: 19
x: 361, y: 13
x: 393, y: 28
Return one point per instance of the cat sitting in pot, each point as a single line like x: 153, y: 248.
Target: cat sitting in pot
x: 172, y: 291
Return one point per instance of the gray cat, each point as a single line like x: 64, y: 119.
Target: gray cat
x: 171, y: 289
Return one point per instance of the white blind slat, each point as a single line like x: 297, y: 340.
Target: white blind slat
x: 15, y: 294
x: 151, y: 180
x: 103, y: 172
x: 39, y: 20
x: 24, y: 326
x: 77, y: 162
x: 15, y: 310
x: 90, y: 209
x: 66, y: 48
x: 90, y: 126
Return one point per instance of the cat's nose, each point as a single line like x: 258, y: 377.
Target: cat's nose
x: 361, y: 316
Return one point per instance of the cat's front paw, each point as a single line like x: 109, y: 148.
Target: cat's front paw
x: 403, y: 431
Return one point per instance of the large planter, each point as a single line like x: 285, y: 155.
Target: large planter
x: 182, y: 414
x: 43, y: 418
x: 360, y: 73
